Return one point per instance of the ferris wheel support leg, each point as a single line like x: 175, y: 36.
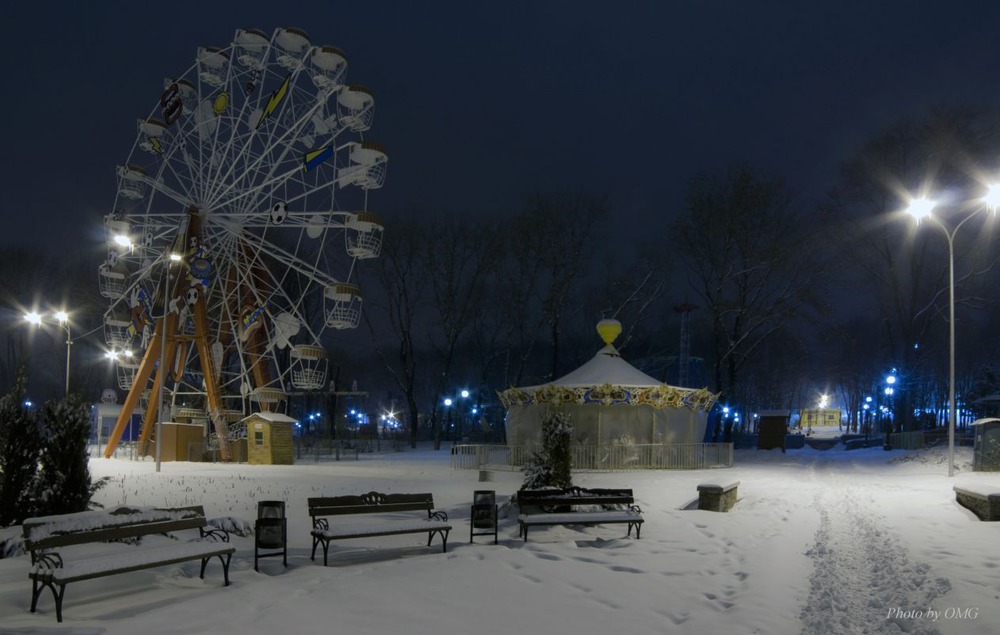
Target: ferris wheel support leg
x: 153, y: 409
x: 132, y: 399
x: 211, y: 381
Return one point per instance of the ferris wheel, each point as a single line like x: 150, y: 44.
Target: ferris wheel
x: 240, y: 215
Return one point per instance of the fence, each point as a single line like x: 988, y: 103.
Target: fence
x: 679, y: 456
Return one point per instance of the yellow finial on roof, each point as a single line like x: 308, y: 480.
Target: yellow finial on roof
x: 609, y: 330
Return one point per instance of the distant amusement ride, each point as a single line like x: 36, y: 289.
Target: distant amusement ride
x: 240, y: 215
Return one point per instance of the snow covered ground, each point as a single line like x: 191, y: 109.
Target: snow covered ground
x: 834, y: 542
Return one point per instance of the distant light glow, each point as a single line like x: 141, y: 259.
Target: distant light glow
x: 465, y: 394
x: 123, y: 240
x: 34, y: 318
x: 891, y: 379
x: 447, y: 402
x: 175, y: 257
x: 62, y: 316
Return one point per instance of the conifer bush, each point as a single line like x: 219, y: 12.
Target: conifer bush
x: 43, y: 456
x: 551, y: 465
x: 20, y: 443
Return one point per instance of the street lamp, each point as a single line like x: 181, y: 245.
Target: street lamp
x: 62, y: 319
x: 923, y: 208
x: 167, y: 297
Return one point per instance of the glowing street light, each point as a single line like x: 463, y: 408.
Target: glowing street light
x: 922, y: 209
x: 61, y: 318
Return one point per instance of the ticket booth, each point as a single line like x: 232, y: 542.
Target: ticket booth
x: 269, y: 438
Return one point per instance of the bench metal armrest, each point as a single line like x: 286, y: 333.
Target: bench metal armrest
x: 635, y: 508
x: 214, y: 533
x: 320, y: 524
x: 47, y: 559
x: 439, y: 515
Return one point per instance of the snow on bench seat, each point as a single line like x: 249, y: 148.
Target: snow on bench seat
x: 129, y: 559
x: 361, y: 530
x: 580, y: 518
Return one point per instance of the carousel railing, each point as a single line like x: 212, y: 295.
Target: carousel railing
x: 670, y: 456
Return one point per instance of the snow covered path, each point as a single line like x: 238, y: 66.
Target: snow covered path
x: 864, y: 580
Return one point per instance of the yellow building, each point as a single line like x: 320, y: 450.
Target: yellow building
x: 819, y: 417
x: 269, y: 439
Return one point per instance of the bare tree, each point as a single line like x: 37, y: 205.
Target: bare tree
x: 401, y: 307
x: 546, y: 249
x: 460, y: 259
x: 742, y: 241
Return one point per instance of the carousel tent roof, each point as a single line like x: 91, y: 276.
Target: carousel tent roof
x: 607, y: 379
x: 607, y: 367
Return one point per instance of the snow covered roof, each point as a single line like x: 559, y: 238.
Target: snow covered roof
x: 271, y: 417
x: 607, y: 367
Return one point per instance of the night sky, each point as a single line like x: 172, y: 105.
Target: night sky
x: 477, y: 103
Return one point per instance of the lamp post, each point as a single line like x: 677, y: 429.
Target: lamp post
x: 62, y: 319
x: 889, y: 391
x: 167, y: 293
x: 922, y: 209
x: 447, y: 420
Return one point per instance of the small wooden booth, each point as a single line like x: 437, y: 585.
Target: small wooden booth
x: 772, y: 429
x: 269, y: 438
x: 178, y: 438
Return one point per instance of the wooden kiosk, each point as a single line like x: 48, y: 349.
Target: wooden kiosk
x: 269, y: 439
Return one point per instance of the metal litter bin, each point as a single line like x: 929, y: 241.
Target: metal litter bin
x: 270, y: 532
x: 484, y: 514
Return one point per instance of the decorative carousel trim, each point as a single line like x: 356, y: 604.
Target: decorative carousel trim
x: 662, y: 396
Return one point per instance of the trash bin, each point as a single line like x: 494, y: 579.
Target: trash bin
x: 270, y: 532
x: 484, y: 514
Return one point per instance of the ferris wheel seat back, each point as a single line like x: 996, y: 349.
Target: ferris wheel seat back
x: 292, y: 44
x: 342, y: 303
x: 131, y: 183
x: 363, y: 237
x: 251, y: 44
x: 117, y: 229
x: 329, y: 63
x: 367, y: 169
x: 264, y: 395
x: 116, y: 330
x: 112, y: 281
x: 308, y: 366
x: 213, y: 64
x: 356, y: 108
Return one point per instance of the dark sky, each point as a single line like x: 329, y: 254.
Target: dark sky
x: 479, y: 102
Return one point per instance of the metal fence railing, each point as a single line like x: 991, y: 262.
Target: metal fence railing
x: 674, y: 456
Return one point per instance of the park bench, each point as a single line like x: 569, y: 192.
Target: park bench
x: 717, y: 498
x: 391, y: 519
x: 577, y: 506
x: 59, y: 555
x: 981, y: 500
